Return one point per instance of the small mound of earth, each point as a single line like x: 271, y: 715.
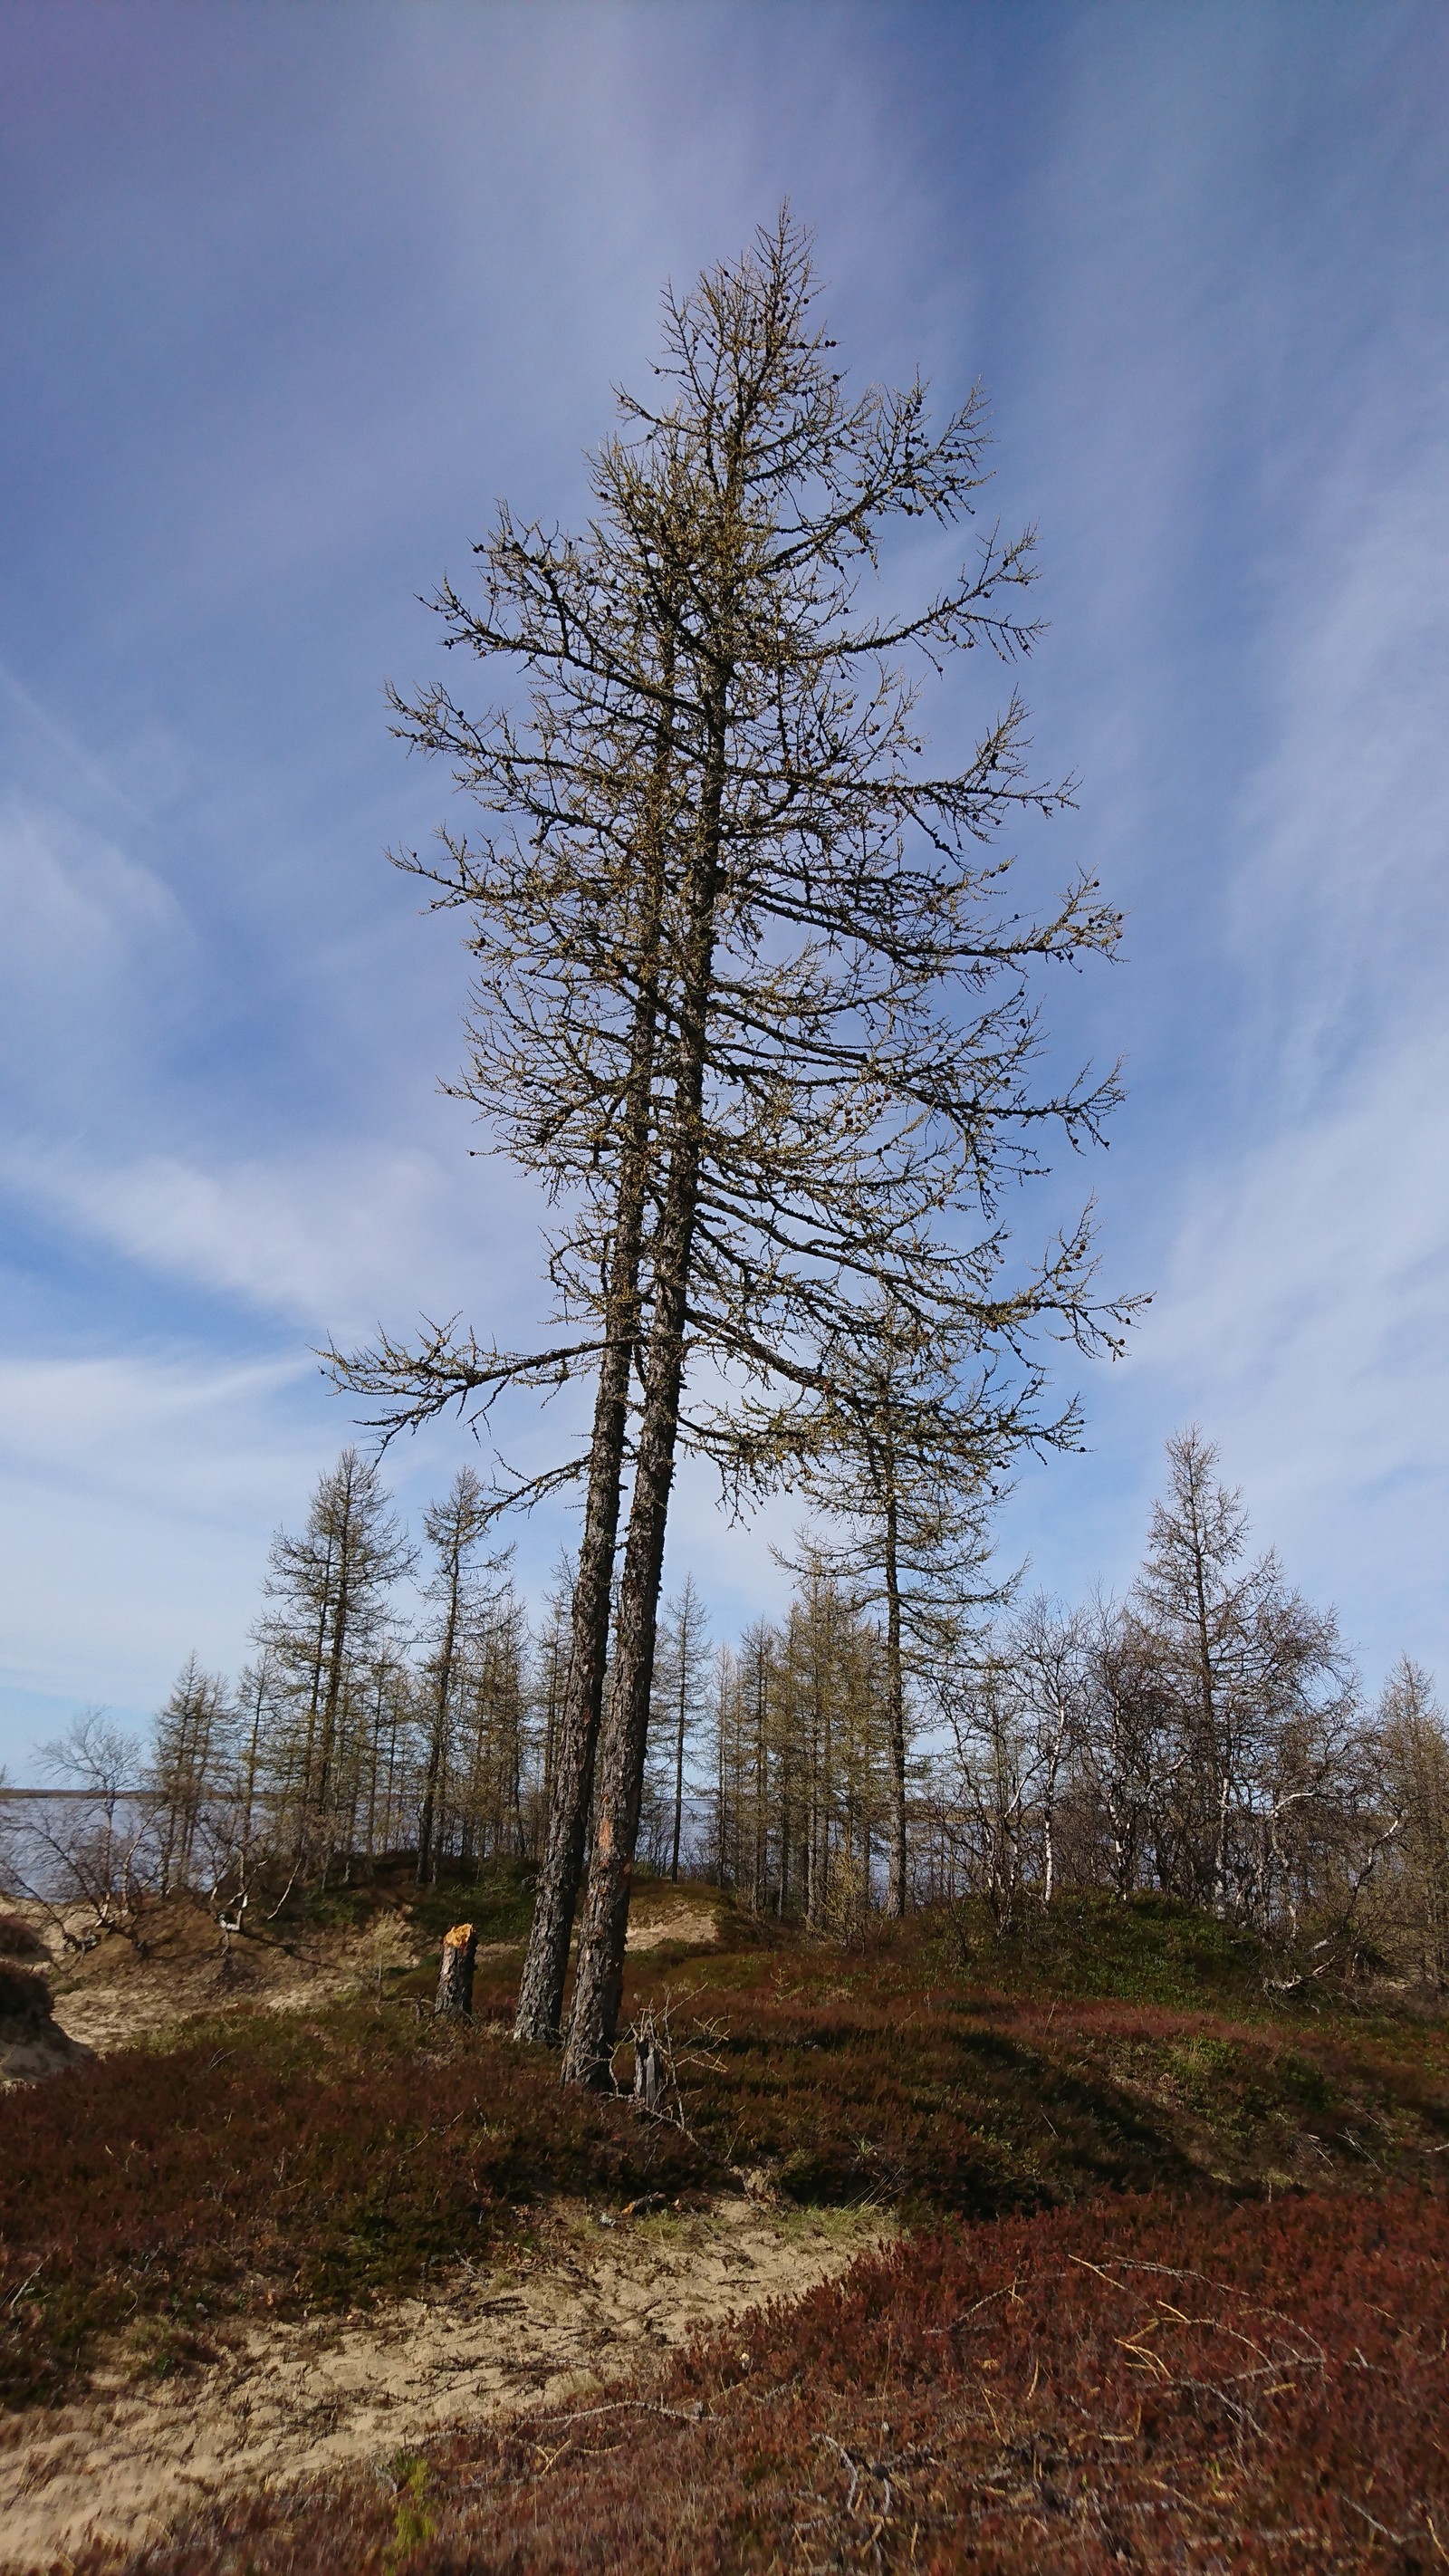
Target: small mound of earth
x: 119, y: 1993
x: 32, y: 2043
x: 19, y: 1938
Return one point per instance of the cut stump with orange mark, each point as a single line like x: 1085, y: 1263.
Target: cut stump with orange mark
x: 455, y: 1976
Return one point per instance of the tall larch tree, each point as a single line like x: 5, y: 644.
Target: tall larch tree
x: 748, y: 999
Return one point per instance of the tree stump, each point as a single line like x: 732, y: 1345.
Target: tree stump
x: 455, y: 1976
x: 648, y: 2072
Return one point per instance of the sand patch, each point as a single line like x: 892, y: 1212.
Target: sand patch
x: 684, y: 1921
x: 117, y: 1995
x: 288, y: 2401
x: 32, y: 2043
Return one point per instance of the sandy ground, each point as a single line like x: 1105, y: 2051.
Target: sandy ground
x: 284, y: 2401
x: 114, y: 1997
x: 287, y: 2401
x: 672, y: 1918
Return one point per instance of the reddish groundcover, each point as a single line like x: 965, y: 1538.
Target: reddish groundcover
x: 1135, y: 2384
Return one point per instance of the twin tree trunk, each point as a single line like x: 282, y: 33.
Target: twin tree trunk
x: 731, y: 525
x: 545, y: 1970
x: 599, y: 1974
x: 896, y: 1699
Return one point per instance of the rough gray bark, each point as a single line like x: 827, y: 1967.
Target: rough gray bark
x: 895, y: 1698
x: 545, y: 1971
x: 599, y: 1973
x: 648, y: 2072
x: 848, y: 1071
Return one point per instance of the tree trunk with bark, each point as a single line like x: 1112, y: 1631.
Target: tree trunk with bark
x: 545, y: 1970
x: 895, y: 1697
x: 599, y: 1973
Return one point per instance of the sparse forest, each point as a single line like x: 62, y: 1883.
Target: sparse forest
x: 1204, y: 1739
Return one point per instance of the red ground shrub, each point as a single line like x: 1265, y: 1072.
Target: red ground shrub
x: 1135, y: 2384
x: 282, y: 2163
x: 275, y: 2161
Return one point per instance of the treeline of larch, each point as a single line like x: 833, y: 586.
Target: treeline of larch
x: 1205, y: 1739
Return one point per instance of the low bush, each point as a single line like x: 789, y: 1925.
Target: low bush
x: 889, y: 2074
x: 498, y: 1903
x: 496, y: 1898
x: 23, y: 1996
x: 1149, y: 1949
x: 285, y: 2162
x: 19, y: 1939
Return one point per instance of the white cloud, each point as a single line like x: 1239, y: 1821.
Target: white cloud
x: 136, y: 1496
x: 1306, y: 1287
x: 76, y: 906
x: 327, y: 437
x: 106, y: 1418
x: 1340, y: 909
x: 1303, y: 1310
x: 1302, y: 1322
x: 1286, y: 1188
x: 306, y: 1239
x: 355, y: 1233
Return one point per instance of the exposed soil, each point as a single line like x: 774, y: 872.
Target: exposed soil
x: 283, y: 2402
x: 168, y: 2418
x: 118, y: 1994
x: 658, y: 1915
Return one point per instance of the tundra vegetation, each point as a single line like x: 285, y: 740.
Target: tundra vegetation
x: 1119, y: 1929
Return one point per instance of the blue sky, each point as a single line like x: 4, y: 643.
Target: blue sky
x: 290, y: 294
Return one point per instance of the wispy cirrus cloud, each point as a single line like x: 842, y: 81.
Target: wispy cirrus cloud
x: 1339, y: 903
x: 112, y: 1467
x: 1302, y: 1310
x: 330, y: 1241
x: 80, y: 911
